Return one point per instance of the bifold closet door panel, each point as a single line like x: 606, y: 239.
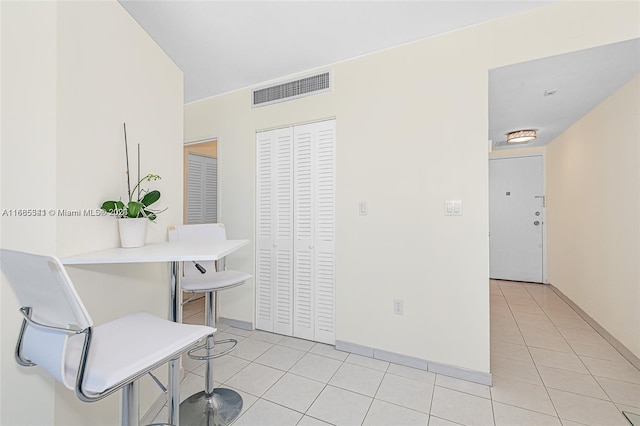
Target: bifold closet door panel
x: 274, y: 231
x: 295, y: 253
x: 324, y: 235
x: 314, y: 244
x: 304, y: 231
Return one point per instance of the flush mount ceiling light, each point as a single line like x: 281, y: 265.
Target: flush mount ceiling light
x: 521, y: 136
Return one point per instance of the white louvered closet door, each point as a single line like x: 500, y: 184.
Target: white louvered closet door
x: 274, y: 251
x: 296, y: 211
x: 304, y: 306
x: 314, y: 244
x: 324, y: 236
x: 265, y: 231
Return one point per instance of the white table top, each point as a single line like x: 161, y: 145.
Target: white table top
x: 159, y: 252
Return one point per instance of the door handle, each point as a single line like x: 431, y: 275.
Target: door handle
x: 536, y: 223
x: 544, y: 199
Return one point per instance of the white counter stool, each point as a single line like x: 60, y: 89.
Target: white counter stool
x: 58, y: 335
x: 219, y: 406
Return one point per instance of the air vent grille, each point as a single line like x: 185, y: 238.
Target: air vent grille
x: 292, y: 89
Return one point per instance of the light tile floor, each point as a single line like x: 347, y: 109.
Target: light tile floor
x: 549, y: 368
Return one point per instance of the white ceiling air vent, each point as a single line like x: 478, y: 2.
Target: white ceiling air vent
x: 292, y: 89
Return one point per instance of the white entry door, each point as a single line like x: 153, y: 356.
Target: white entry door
x: 516, y: 219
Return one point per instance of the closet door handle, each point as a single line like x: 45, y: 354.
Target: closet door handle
x: 310, y: 246
x: 275, y: 244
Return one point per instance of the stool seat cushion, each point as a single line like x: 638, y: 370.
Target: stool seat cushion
x: 127, y: 346
x: 213, y: 281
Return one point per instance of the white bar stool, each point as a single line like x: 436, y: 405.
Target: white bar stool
x: 219, y: 406
x: 58, y: 335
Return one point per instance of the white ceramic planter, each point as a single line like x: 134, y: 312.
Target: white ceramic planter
x: 133, y: 232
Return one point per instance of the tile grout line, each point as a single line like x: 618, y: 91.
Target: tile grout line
x: 307, y: 351
x: 386, y: 371
x: 433, y: 392
x: 373, y: 398
x: 531, y: 355
x: 323, y: 388
x: 577, y: 356
x: 493, y: 411
x: 268, y: 366
x: 553, y: 404
x: 595, y: 326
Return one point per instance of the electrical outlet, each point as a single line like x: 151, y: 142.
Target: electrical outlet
x: 398, y: 307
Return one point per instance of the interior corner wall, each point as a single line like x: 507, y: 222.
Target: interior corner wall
x: 73, y: 72
x: 411, y: 133
x: 28, y: 174
x: 593, y: 193
x: 1, y: 279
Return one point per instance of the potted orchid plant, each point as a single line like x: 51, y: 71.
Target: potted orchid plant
x: 134, y: 216
x: 138, y: 208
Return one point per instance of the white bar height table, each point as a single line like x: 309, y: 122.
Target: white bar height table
x: 174, y: 252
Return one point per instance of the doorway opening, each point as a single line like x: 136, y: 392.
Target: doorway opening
x: 200, y: 182
x: 200, y: 193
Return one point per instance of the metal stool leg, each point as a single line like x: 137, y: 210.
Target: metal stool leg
x: 130, y: 405
x: 211, y: 407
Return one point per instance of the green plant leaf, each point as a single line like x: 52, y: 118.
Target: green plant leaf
x: 116, y: 208
x: 150, y: 197
x: 108, y: 206
x: 134, y: 209
x: 150, y: 215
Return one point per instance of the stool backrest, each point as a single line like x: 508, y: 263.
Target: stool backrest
x: 201, y: 232
x: 42, y: 284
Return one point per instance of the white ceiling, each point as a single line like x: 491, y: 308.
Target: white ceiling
x: 227, y: 45
x: 583, y: 79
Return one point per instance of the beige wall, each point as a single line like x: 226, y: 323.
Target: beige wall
x: 73, y: 73
x: 411, y: 133
x: 1, y: 284
x: 28, y: 97
x: 593, y: 171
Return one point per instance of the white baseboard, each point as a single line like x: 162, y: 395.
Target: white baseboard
x: 419, y: 363
x: 617, y: 345
x: 244, y: 325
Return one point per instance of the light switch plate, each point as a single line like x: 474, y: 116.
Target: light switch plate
x: 363, y: 208
x: 453, y: 207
